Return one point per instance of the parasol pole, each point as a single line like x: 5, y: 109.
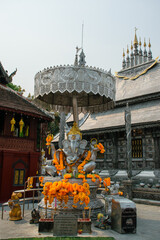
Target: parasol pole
x: 75, y: 109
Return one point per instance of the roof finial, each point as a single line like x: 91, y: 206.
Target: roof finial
x: 82, y: 61
x: 140, y: 42
x: 145, y: 52
x: 135, y: 37
x: 124, y: 61
x: 82, y: 35
x: 144, y: 42
x: 140, y: 52
x: 76, y: 56
x: 149, y: 44
x: 149, y: 52
x: 127, y: 58
x: 132, y: 57
x: 123, y: 53
x: 82, y: 56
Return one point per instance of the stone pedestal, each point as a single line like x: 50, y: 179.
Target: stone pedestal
x: 95, y: 204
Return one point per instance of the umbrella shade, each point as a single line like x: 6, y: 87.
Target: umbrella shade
x: 93, y: 88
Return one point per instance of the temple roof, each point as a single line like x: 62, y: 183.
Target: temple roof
x: 12, y: 101
x: 141, y: 114
x: 145, y: 83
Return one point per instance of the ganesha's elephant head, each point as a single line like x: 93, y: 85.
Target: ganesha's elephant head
x: 73, y: 147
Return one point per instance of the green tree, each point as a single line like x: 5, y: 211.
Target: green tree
x: 15, y: 87
x: 53, y: 127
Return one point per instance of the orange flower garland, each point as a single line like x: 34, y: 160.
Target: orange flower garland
x: 80, y: 167
x: 59, y: 166
x: 67, y: 176
x: 120, y: 193
x: 41, y: 181
x: 107, y: 183
x: 92, y: 177
x: 49, y: 138
x: 100, y: 147
x: 82, y: 177
x: 62, y: 190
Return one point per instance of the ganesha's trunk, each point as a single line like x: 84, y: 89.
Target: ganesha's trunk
x: 73, y: 146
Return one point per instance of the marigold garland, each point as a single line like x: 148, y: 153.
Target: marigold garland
x: 59, y: 166
x: 100, y: 147
x: 63, y: 190
x: 80, y: 167
x: 107, y: 183
x: 67, y: 176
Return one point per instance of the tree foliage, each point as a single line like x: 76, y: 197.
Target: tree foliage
x: 53, y: 127
x: 14, y: 87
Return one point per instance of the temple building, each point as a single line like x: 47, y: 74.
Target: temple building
x: 138, y: 84
x: 20, y: 133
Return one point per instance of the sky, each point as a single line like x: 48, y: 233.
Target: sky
x: 36, y: 34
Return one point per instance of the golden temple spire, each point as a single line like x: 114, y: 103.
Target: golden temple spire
x: 135, y: 37
x: 140, y: 42
x: 127, y: 50
x: 123, y: 53
x: 149, y: 44
x: 144, y: 42
x: 131, y: 46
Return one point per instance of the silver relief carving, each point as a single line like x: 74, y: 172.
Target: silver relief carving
x: 74, y: 79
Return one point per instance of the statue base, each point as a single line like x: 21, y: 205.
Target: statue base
x: 96, y: 205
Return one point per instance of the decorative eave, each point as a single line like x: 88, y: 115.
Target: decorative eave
x: 4, y: 78
x: 139, y: 99
x: 121, y: 128
x: 36, y: 111
x: 127, y: 77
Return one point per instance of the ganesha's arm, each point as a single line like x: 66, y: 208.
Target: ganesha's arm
x: 89, y: 167
x: 94, y: 154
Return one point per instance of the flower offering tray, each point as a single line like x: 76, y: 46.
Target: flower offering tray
x: 84, y: 225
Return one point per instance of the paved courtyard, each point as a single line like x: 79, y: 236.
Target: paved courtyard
x: 148, y: 226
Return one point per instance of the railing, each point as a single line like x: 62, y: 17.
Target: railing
x: 26, y: 199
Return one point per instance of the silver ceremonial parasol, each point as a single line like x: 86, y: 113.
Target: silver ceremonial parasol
x: 76, y: 88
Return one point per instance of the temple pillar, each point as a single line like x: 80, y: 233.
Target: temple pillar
x: 115, y: 150
x: 156, y: 138
x: 105, y: 153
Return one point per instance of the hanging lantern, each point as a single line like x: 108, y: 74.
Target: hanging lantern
x: 21, y: 125
x: 12, y: 124
x: 27, y: 131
